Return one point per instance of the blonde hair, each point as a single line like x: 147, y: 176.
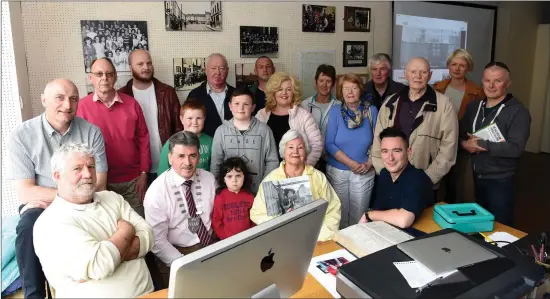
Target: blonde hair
x: 351, y: 78
x: 462, y: 53
x: 275, y: 83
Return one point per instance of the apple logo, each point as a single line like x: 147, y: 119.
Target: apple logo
x: 447, y: 250
x: 267, y: 262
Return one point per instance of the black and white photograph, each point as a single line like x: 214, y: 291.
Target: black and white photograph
x: 259, y: 41
x: 193, y: 16
x: 286, y: 195
x: 189, y: 72
x: 245, y: 74
x: 355, y: 53
x: 318, y: 18
x: 356, y: 19
x: 112, y: 39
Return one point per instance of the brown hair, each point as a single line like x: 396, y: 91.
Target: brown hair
x: 351, y: 78
x: 275, y: 83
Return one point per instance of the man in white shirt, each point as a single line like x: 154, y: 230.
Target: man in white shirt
x: 91, y: 244
x: 178, y: 205
x: 159, y: 103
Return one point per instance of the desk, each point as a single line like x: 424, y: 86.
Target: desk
x: 313, y: 289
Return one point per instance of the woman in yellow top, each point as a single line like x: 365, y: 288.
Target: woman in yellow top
x: 294, y: 148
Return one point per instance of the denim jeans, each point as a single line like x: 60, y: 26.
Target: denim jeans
x: 497, y: 196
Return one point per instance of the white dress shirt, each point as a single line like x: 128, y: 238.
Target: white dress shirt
x: 148, y: 102
x: 168, y: 217
x: 71, y: 241
x: 218, y: 98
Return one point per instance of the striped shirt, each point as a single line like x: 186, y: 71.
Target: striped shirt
x: 32, y: 144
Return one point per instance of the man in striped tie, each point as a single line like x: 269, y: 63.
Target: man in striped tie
x: 178, y: 204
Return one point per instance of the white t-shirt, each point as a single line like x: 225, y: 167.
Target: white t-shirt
x: 148, y: 102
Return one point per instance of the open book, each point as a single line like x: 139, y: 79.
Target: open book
x: 365, y: 238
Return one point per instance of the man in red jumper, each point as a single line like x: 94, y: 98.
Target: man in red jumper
x: 123, y: 126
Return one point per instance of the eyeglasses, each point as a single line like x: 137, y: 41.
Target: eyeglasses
x: 107, y: 74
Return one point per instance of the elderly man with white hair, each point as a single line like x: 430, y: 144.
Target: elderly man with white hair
x: 214, y: 93
x: 91, y: 244
x: 381, y: 85
x: 427, y: 118
x: 294, y: 149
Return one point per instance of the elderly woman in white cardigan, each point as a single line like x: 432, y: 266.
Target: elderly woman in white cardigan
x: 283, y: 112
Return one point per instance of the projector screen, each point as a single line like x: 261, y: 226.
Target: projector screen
x: 434, y: 30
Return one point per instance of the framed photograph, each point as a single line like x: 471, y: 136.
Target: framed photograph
x: 113, y: 39
x: 259, y: 41
x: 355, y: 53
x: 189, y: 73
x: 245, y: 74
x: 356, y: 19
x: 318, y: 18
x: 193, y: 16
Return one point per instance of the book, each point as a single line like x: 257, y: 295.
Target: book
x: 490, y: 133
x: 365, y: 238
x: 287, y: 194
x: 325, y: 267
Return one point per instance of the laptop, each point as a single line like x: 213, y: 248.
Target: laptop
x: 446, y: 252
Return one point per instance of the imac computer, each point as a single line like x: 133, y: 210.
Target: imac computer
x: 269, y: 260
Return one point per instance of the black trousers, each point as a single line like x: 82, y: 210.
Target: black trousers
x: 30, y: 269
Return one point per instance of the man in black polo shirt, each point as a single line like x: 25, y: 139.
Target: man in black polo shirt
x: 403, y: 191
x: 263, y: 68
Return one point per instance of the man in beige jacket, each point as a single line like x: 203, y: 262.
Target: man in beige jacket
x: 428, y: 119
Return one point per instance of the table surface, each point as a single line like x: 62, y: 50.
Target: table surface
x: 313, y: 289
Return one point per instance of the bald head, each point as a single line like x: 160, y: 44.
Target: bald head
x: 264, y: 68
x: 52, y: 87
x: 141, y: 66
x: 60, y: 98
x: 418, y: 74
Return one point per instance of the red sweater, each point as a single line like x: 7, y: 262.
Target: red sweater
x: 231, y: 213
x: 125, y: 133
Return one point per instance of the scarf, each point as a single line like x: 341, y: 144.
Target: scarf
x: 355, y: 119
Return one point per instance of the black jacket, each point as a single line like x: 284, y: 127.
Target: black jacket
x: 377, y: 100
x: 514, y: 122
x: 213, y: 120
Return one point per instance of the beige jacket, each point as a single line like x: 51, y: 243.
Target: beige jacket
x: 434, y: 139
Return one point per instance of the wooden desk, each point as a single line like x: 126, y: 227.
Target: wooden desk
x: 313, y: 289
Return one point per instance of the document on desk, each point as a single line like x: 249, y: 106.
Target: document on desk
x: 325, y: 267
x: 365, y: 238
x: 502, y: 236
x: 417, y: 275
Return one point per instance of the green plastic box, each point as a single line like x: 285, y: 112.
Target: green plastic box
x: 464, y: 217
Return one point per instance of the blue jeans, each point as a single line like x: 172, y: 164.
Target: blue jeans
x: 497, y: 196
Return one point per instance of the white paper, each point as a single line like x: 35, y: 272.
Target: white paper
x: 491, y: 133
x: 328, y: 280
x: 502, y: 236
x: 417, y: 275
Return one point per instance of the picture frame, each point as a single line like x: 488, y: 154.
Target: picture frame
x: 193, y: 16
x: 355, y: 53
x: 357, y: 19
x: 318, y: 18
x: 256, y: 41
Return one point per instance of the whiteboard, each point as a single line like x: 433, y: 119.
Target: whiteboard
x: 308, y: 62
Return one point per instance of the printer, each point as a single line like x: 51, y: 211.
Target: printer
x: 510, y: 275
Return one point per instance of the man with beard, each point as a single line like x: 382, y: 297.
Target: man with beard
x: 30, y: 147
x: 158, y: 101
x: 214, y: 93
x: 263, y: 68
x: 91, y: 243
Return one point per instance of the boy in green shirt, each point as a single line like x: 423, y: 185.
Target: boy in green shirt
x: 192, y: 116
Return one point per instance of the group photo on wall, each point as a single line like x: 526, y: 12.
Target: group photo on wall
x: 259, y: 41
x: 318, y: 18
x: 189, y: 73
x: 112, y: 39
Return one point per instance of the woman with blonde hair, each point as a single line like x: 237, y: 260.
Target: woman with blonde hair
x: 348, y: 140
x: 461, y: 92
x: 283, y: 112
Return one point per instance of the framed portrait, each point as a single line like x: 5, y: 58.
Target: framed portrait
x: 318, y: 18
x: 193, y: 16
x: 355, y: 53
x: 259, y: 41
x: 356, y: 19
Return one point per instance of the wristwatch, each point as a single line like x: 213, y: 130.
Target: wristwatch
x: 367, y: 215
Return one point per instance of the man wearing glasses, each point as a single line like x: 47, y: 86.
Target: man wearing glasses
x: 214, y: 93
x: 123, y: 125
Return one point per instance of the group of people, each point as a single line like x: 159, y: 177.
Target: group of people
x: 259, y: 43
x: 117, y: 185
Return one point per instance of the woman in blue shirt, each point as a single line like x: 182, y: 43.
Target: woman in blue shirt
x: 348, y: 142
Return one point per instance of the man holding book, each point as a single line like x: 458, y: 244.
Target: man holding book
x: 494, y: 161
x: 403, y: 191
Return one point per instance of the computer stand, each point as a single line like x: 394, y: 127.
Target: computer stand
x: 271, y: 291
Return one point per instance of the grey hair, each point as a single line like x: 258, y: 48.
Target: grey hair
x: 291, y: 135
x: 59, y: 158
x: 379, y: 58
x: 216, y: 55
x: 184, y: 138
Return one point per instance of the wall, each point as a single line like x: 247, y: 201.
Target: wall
x: 53, y: 42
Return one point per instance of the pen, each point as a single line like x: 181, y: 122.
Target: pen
x: 487, y: 238
x: 541, y: 255
x: 535, y: 252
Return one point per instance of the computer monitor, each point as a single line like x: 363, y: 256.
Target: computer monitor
x: 273, y: 256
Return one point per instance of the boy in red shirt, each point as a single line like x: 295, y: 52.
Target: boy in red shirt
x: 232, y: 204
